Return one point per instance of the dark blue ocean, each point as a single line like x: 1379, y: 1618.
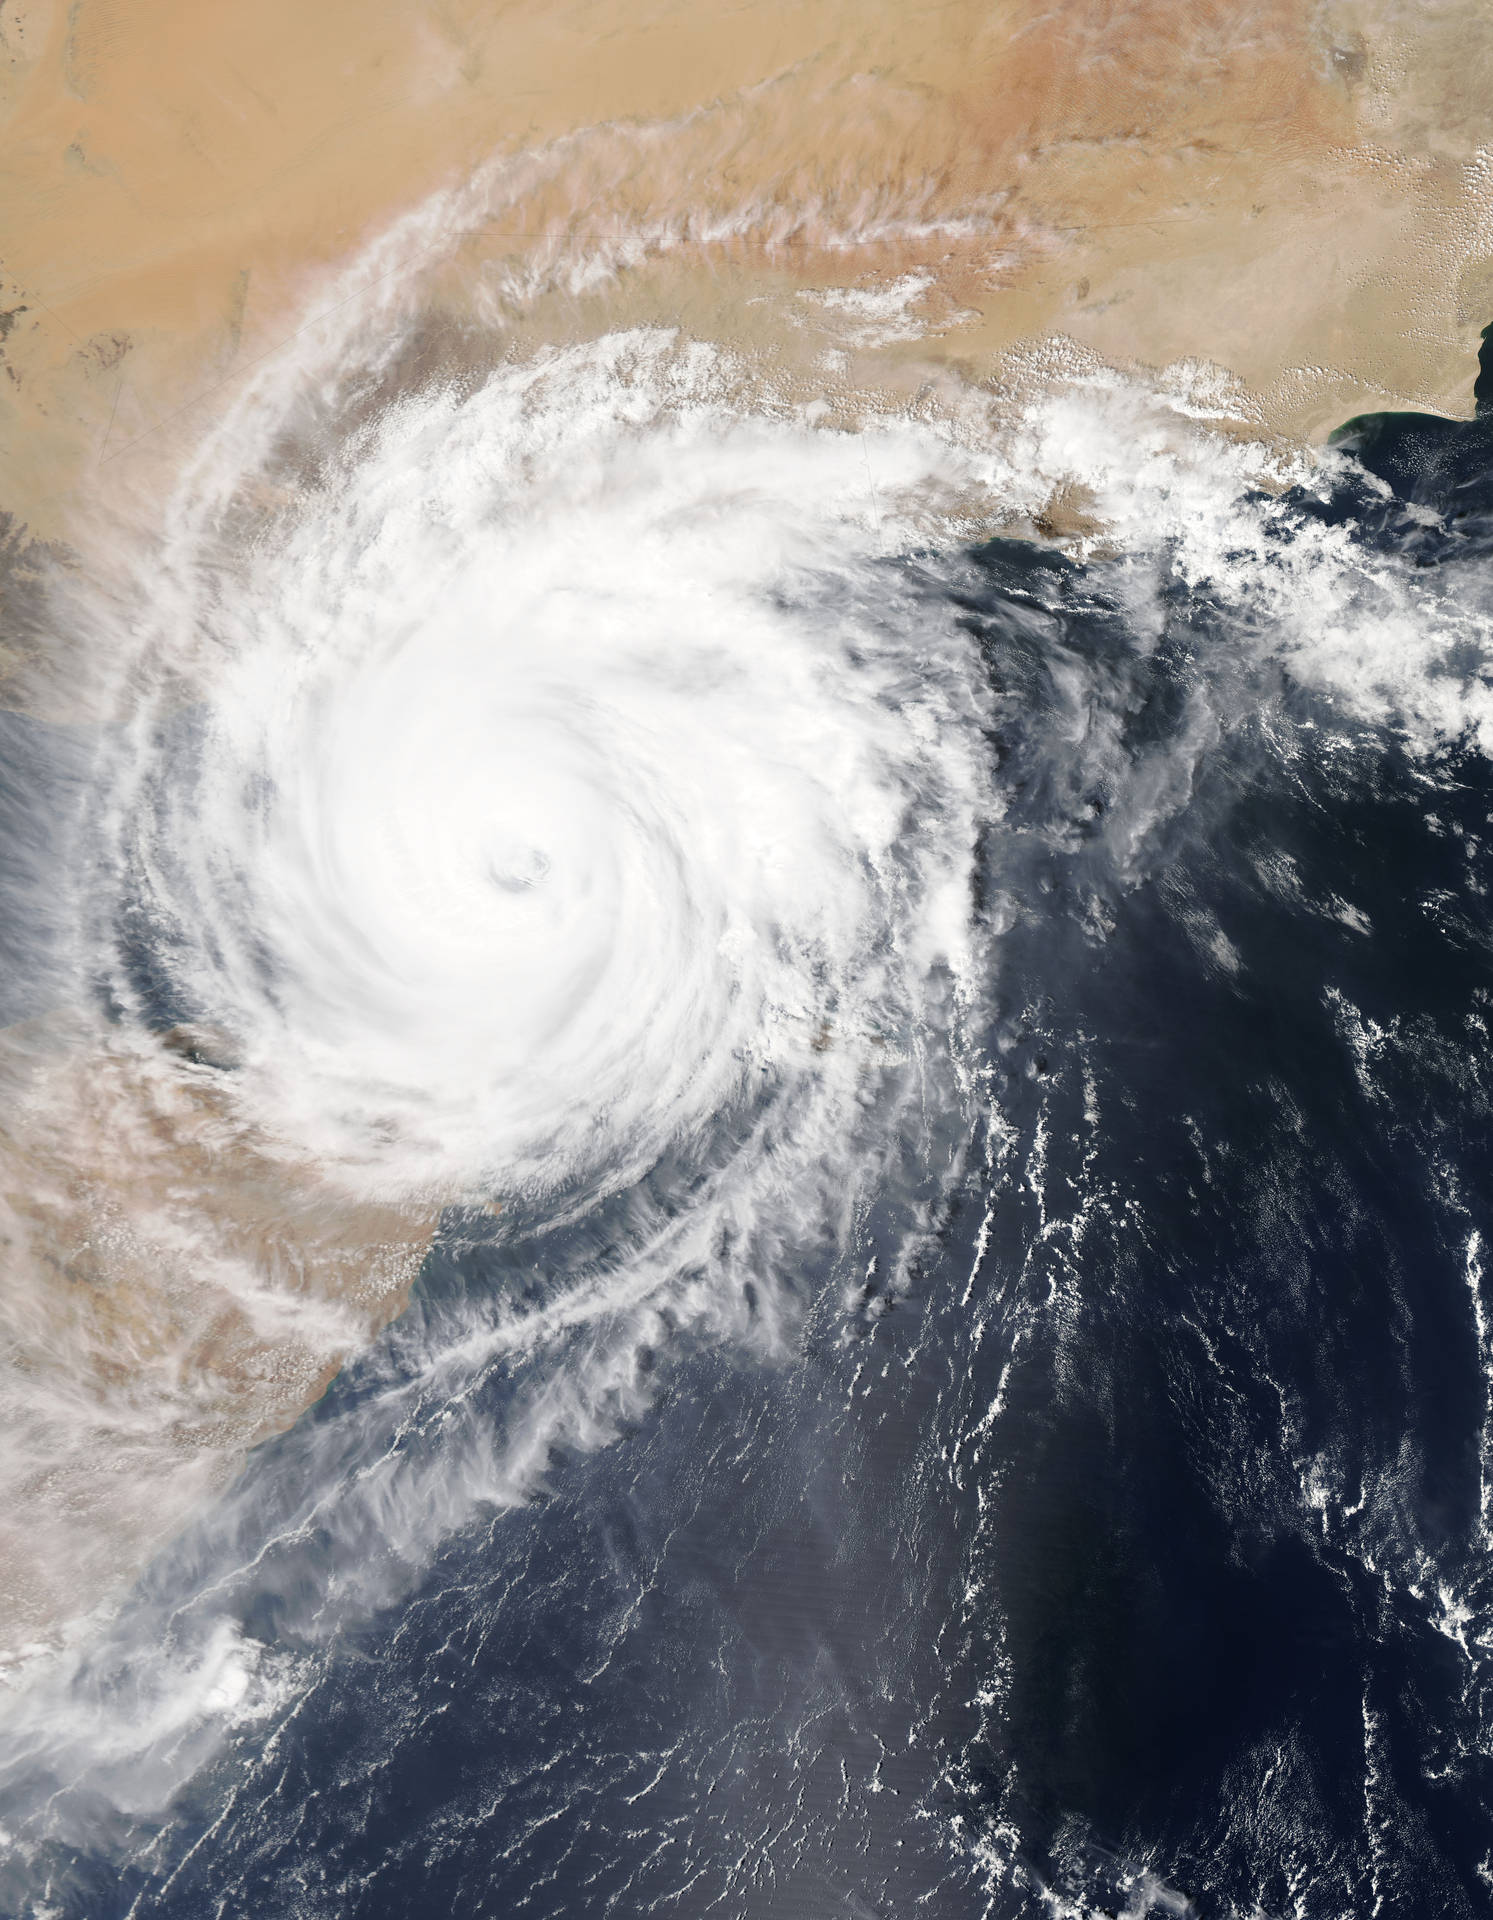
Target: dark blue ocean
x: 1132, y: 1554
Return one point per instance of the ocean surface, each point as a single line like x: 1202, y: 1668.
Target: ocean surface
x: 1086, y: 1509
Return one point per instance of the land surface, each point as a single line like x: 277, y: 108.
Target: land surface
x: 1297, y: 193
x: 1301, y: 196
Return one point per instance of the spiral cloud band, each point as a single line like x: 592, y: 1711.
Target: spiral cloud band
x: 580, y: 796
x: 575, y: 768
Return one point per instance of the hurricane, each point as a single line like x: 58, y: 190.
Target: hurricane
x: 554, y: 833
x: 577, y: 773
x: 746, y: 1051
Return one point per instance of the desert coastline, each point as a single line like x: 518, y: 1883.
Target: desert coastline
x: 858, y: 197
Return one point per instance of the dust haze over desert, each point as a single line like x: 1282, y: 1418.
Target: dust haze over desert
x: 313, y: 323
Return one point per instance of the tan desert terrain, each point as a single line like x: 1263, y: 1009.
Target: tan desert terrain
x: 1300, y: 194
x: 1294, y: 191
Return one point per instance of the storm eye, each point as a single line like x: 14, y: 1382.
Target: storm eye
x: 517, y: 869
